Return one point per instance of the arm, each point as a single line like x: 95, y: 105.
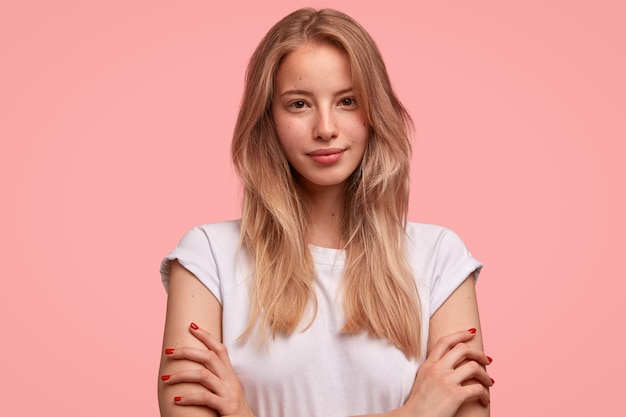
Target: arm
x: 460, y: 311
x: 188, y: 301
x: 452, y: 364
x: 452, y: 382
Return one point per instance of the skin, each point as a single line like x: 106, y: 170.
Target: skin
x: 187, y: 301
x: 453, y: 381
x: 314, y: 110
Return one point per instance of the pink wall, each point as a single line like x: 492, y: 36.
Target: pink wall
x: 115, y: 123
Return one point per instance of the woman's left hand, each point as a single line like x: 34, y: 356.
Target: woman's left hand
x: 225, y: 393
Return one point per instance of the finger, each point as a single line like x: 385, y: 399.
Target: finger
x: 211, y: 400
x: 473, y: 371
x: 199, y: 376
x: 463, y: 352
x: 445, y: 343
x: 206, y: 358
x: 211, y: 342
x: 205, y: 398
x: 476, y: 392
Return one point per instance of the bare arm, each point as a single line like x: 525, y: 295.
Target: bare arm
x: 435, y: 393
x: 460, y: 311
x: 188, y: 301
x: 452, y: 382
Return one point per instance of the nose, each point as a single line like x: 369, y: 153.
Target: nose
x: 325, y: 126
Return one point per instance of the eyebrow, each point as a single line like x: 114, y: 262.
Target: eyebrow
x: 309, y: 94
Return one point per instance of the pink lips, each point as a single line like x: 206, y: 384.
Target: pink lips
x: 326, y: 156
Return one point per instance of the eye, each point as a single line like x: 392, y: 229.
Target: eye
x: 348, y: 102
x: 297, y: 104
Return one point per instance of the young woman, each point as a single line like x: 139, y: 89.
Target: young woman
x: 323, y: 300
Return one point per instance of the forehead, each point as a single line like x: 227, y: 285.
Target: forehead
x: 314, y: 65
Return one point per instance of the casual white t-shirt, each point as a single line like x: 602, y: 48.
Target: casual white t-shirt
x: 320, y: 372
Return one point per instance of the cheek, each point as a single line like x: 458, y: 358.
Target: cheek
x: 285, y: 140
x: 361, y: 130
x: 283, y: 135
x: 290, y: 133
x: 283, y: 127
x: 360, y: 125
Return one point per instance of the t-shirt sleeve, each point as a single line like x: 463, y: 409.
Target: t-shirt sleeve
x: 453, y: 264
x: 194, y: 252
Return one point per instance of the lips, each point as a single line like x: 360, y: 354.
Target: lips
x: 326, y: 156
x: 326, y: 152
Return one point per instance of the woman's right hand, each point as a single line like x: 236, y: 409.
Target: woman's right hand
x: 222, y: 389
x: 453, y: 373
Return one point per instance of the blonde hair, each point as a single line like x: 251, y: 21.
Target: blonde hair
x: 379, y: 291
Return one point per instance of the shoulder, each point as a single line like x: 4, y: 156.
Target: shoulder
x: 440, y: 260
x: 209, y: 237
x: 432, y: 237
x: 435, y: 245
x: 223, y: 232
x: 203, y: 249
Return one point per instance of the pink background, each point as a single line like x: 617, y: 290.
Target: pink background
x: 115, y: 124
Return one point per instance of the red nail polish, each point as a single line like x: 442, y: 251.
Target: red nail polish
x: 489, y: 359
x: 492, y: 381
x: 472, y: 330
x: 169, y: 351
x: 165, y: 377
x: 177, y: 399
x: 194, y: 326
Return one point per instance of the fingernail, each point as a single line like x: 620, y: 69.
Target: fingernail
x: 472, y: 330
x: 177, y: 399
x: 169, y: 351
x: 492, y: 381
x: 488, y: 358
x: 194, y: 326
x: 165, y: 377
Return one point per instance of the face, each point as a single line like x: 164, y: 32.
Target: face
x: 320, y: 125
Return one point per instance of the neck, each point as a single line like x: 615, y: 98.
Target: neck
x: 326, y: 209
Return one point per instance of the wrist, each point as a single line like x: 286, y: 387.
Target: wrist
x: 398, y: 412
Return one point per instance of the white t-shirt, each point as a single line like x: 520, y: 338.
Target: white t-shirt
x: 320, y: 372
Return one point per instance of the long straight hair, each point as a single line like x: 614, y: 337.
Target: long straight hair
x: 379, y: 291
